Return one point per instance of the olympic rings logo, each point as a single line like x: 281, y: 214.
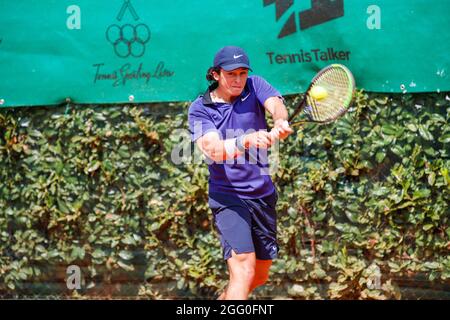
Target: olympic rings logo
x: 128, y: 39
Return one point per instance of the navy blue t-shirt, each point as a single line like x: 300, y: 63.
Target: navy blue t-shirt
x: 243, y: 176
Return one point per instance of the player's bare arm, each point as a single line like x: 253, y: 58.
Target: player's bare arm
x: 276, y: 107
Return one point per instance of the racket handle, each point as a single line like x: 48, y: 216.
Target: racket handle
x: 297, y: 123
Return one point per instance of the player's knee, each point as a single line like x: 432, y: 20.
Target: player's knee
x: 243, y: 268
x: 244, y: 273
x: 247, y: 274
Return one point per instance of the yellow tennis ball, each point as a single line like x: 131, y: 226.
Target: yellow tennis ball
x: 318, y: 93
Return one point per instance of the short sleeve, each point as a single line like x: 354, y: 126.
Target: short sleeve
x: 264, y: 90
x: 199, y: 120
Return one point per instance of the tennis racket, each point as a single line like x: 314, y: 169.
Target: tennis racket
x: 328, y: 97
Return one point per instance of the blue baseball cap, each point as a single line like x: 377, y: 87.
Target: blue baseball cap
x: 230, y: 58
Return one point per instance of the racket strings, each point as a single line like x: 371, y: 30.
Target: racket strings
x: 339, y: 87
x: 336, y: 84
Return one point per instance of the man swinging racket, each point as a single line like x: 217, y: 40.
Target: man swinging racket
x: 227, y: 123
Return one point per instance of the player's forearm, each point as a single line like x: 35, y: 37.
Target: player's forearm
x: 277, y: 109
x: 280, y: 113
x: 222, y: 150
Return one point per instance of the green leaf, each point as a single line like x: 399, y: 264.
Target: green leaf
x: 126, y: 255
x: 398, y: 150
x: 78, y: 253
x: 98, y: 253
x: 125, y: 266
x: 431, y: 178
x: 389, y: 129
x: 382, y: 101
x: 425, y: 133
x: 437, y: 118
x: 422, y: 193
x: 319, y: 216
x: 432, y: 265
x: 412, y: 127
x: 444, y: 138
x: 380, y: 156
x: 94, y: 166
x: 124, y: 152
x: 62, y: 206
x: 128, y: 239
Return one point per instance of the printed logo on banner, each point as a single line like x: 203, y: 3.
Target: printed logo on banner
x: 321, y: 12
x: 127, y: 39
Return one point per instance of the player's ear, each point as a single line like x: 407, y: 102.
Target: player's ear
x: 216, y: 75
x: 213, y: 74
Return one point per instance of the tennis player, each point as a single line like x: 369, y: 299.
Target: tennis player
x: 228, y: 122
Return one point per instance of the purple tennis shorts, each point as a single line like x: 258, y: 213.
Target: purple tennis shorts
x: 246, y: 225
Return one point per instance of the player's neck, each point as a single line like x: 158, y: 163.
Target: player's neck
x: 220, y: 97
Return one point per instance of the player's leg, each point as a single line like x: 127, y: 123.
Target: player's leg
x: 242, y: 274
x: 264, y: 236
x: 262, y: 268
x: 233, y: 221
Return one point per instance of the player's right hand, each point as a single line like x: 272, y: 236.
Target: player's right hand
x: 259, y: 139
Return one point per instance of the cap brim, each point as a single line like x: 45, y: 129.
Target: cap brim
x: 235, y: 66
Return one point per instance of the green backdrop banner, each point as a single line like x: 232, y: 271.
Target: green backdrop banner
x: 116, y: 51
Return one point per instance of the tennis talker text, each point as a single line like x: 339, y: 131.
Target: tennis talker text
x: 311, y: 55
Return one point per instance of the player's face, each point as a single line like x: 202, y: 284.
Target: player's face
x: 232, y: 82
